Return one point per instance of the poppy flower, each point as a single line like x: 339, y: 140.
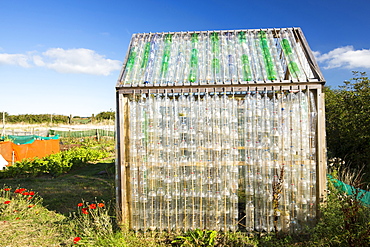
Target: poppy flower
x: 101, y: 205
x: 20, y: 191
x: 80, y: 204
x: 92, y: 206
x: 6, y: 202
x: 76, y: 239
x: 26, y: 193
x: 84, y: 210
x: 31, y: 193
x: 7, y: 189
x: 29, y: 198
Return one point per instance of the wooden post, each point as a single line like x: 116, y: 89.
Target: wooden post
x: 122, y: 161
x: 321, y: 149
x: 3, y: 133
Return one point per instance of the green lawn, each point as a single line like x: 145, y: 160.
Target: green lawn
x: 63, y: 193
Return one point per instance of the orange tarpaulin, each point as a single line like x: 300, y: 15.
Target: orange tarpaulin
x: 6, y: 150
x: 39, y: 148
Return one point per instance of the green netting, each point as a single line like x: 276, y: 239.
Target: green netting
x: 83, y: 133
x: 362, y: 195
x: 28, y: 139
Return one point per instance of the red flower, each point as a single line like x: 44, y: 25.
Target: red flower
x: 29, y: 198
x: 20, y: 191
x: 7, y: 189
x: 26, y: 193
x: 76, y: 239
x: 80, y: 204
x: 84, y: 210
x: 31, y: 206
x: 6, y: 202
x: 100, y: 205
x: 17, y: 218
x: 92, y: 206
x: 31, y: 193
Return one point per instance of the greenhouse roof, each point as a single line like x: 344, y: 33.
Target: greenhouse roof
x: 227, y: 57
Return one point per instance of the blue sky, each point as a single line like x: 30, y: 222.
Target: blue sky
x: 64, y: 57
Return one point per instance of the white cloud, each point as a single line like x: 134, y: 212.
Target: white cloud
x: 83, y: 61
x: 344, y: 57
x: 79, y: 61
x: 15, y: 59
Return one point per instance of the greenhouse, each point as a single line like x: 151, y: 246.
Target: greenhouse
x: 220, y: 130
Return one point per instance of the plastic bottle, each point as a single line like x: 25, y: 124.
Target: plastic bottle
x: 197, y: 186
x: 215, y: 64
x: 193, y: 73
x: 244, y: 63
x: 267, y: 58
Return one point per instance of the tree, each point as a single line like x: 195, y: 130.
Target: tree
x: 105, y: 115
x: 348, y: 121
x: 36, y: 118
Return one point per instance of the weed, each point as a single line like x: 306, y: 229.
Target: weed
x: 197, y: 237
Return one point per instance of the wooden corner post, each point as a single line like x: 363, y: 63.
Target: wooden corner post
x: 122, y: 161
x: 321, y: 149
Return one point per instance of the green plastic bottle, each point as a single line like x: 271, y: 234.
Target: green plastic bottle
x: 246, y: 69
x: 131, y: 59
x: 242, y: 37
x: 215, y: 41
x: 269, y: 63
x: 145, y: 59
x: 216, y: 65
x: 166, y: 54
x: 292, y: 65
x: 193, y: 58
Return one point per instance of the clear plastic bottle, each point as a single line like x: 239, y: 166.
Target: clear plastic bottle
x: 190, y: 157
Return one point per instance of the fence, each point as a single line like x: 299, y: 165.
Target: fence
x: 83, y: 133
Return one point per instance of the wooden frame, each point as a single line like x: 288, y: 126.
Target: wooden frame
x: 124, y: 92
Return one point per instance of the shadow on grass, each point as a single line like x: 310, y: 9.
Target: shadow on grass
x: 95, y: 182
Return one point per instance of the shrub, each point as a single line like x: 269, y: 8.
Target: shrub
x: 344, y: 221
x: 55, y: 164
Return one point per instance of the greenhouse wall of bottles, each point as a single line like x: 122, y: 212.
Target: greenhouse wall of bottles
x: 220, y: 130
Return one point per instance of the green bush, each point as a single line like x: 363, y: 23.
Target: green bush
x: 347, y: 122
x: 55, y: 164
x: 344, y: 221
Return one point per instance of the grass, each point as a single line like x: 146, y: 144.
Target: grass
x: 24, y: 221
x: 53, y: 218
x: 61, y: 194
